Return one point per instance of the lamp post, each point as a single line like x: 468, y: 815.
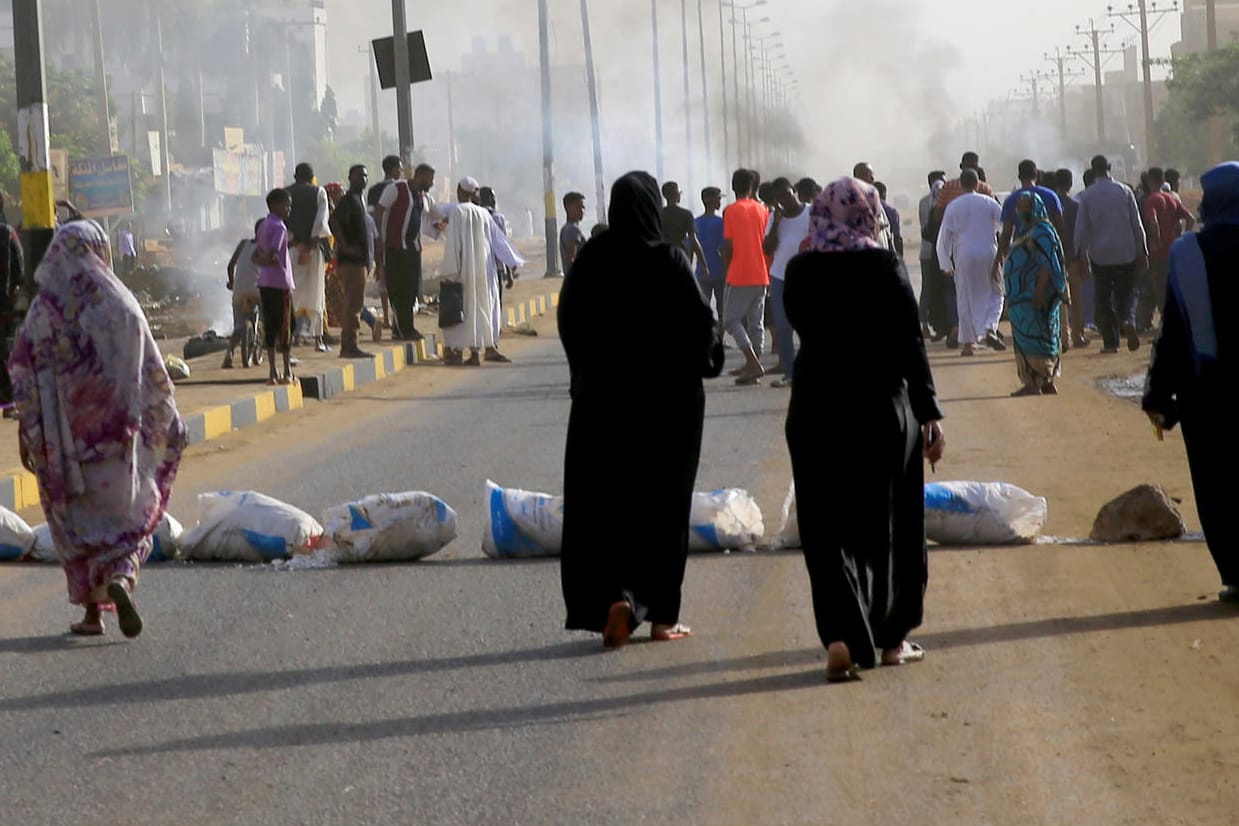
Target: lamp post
x: 744, y: 9
x: 658, y: 94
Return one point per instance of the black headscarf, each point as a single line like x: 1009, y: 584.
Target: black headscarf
x: 634, y: 212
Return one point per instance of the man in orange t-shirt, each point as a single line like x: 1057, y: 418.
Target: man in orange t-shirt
x: 748, y: 275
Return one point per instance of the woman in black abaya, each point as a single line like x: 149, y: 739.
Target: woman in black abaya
x: 857, y: 429
x: 630, y: 462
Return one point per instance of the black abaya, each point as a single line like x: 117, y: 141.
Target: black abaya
x: 1200, y: 398
x: 634, y: 434
x: 853, y: 430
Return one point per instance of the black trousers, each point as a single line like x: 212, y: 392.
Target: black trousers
x: 1115, y: 300
x: 404, y: 286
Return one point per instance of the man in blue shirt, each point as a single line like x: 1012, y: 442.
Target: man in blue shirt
x: 710, y: 270
x: 1028, y: 183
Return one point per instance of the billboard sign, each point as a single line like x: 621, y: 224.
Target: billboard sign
x: 101, y: 187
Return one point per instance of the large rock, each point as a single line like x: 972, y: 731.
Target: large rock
x: 1143, y: 514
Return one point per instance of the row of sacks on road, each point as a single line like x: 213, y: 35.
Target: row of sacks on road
x: 251, y: 527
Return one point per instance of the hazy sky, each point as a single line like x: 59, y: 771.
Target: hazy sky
x: 876, y: 75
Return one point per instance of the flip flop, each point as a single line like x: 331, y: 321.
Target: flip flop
x: 126, y: 614
x: 498, y: 357
x: 1026, y: 391
x: 618, y: 629
x: 679, y: 631
x: 906, y: 653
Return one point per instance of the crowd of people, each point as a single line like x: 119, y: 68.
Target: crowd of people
x: 100, y: 430
x: 803, y: 248
x: 309, y: 262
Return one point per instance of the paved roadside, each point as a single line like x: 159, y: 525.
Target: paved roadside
x: 215, y: 402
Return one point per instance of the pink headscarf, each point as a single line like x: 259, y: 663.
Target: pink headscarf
x: 844, y: 217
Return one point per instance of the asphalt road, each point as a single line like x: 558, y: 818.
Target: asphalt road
x: 440, y: 692
x: 1065, y: 684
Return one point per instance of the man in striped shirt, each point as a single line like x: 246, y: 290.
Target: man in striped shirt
x: 953, y: 189
x: 403, y: 209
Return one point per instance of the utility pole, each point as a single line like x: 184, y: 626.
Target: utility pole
x: 162, y: 97
x: 1215, y: 121
x: 38, y: 198
x: 101, y: 79
x: 1094, y: 36
x: 688, y: 104
x: 595, y: 119
x: 404, y: 85
x: 1059, y: 59
x: 548, y: 153
x: 705, y: 89
x: 735, y: 84
x: 1032, y: 79
x: 288, y: 93
x: 374, y: 98
x: 658, y: 95
x: 1141, y: 12
x: 451, y: 131
x: 722, y: 59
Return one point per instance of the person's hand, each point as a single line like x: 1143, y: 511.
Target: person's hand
x: 935, y: 443
x: 1142, y: 264
x: 1039, y: 298
x: 996, y: 272
x: 949, y: 273
x: 230, y: 283
x: 27, y: 461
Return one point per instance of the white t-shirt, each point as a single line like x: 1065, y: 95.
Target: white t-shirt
x: 245, y: 276
x: 792, y: 232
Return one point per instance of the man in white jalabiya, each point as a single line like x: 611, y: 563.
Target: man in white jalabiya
x: 967, y: 244
x: 472, y: 248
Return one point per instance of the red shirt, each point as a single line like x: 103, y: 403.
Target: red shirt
x: 1164, y: 211
x: 744, y: 224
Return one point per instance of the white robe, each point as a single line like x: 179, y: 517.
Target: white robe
x: 967, y: 244
x: 310, y: 278
x: 471, y: 247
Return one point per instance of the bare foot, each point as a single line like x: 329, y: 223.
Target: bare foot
x: 907, y: 652
x: 618, y: 629
x: 839, y: 665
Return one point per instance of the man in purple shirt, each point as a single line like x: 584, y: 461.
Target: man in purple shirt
x: 275, y: 283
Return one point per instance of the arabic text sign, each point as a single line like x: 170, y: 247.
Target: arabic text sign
x: 100, y: 187
x: 238, y: 173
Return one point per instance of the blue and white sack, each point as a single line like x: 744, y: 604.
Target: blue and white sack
x: 983, y: 513
x: 522, y: 524
x: 725, y: 520
x: 16, y: 537
x: 390, y: 527
x: 245, y: 526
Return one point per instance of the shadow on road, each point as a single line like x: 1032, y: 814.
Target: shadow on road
x: 228, y: 684
x: 320, y: 734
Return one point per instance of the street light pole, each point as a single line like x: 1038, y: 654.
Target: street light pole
x: 658, y: 95
x: 688, y: 104
x: 548, y: 150
x: 38, y: 198
x: 101, y: 79
x: 722, y: 59
x: 1215, y: 121
x: 705, y: 88
x: 404, y: 84
x: 162, y: 96
x: 595, y: 118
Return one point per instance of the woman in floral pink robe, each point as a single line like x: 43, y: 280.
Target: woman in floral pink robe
x: 99, y: 427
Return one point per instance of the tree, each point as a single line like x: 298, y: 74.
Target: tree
x: 1207, y: 84
x: 330, y: 112
x: 10, y: 166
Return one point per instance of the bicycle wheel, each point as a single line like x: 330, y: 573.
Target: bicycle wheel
x: 253, y: 332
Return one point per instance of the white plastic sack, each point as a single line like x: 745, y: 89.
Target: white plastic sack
x: 16, y: 537
x: 390, y: 527
x: 166, y: 540
x: 789, y: 533
x: 245, y: 526
x: 522, y: 524
x: 725, y: 520
x: 982, y: 513
x: 44, y: 548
